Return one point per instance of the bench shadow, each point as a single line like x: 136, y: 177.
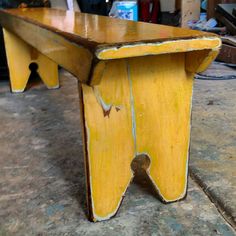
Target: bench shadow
x: 140, y: 165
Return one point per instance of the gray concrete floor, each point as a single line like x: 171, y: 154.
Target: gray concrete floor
x: 213, y: 146
x: 42, y: 182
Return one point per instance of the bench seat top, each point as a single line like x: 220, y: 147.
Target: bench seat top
x: 110, y: 38
x: 83, y: 43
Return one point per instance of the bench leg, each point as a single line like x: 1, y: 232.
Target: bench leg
x: 162, y: 93
x: 142, y: 106
x: 109, y: 142
x: 19, y: 56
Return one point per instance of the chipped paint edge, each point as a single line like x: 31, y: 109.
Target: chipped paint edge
x: 186, y: 168
x: 54, y: 87
x: 187, y: 158
x: 17, y: 90
x: 95, y: 217
x: 102, y: 53
x: 133, y: 116
x: 109, y: 216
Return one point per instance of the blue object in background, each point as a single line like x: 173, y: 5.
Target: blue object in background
x: 127, y: 10
x: 204, y: 4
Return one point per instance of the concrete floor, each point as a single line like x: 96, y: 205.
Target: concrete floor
x: 42, y: 182
x: 213, y: 146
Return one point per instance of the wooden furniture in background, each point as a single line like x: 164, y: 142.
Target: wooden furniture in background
x: 228, y: 51
x: 224, y: 14
x: 135, y: 82
x: 190, y: 10
x: 211, y: 6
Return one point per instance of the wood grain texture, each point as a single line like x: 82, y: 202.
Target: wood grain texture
x: 19, y: 56
x: 139, y: 102
x: 96, y: 32
x: 109, y: 140
x: 162, y: 93
x: 142, y: 106
x: 97, y: 73
x: 72, y: 57
x: 78, y: 42
x: 158, y: 48
x: 198, y: 61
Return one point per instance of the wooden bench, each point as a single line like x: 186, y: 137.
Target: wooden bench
x: 135, y: 83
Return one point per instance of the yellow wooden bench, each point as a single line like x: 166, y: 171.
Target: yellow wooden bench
x: 135, y: 83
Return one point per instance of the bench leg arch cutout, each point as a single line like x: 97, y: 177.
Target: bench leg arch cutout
x: 19, y: 56
x: 142, y: 105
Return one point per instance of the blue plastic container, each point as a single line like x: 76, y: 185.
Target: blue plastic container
x: 127, y: 10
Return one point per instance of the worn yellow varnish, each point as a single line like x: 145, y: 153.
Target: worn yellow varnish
x: 70, y: 56
x: 20, y: 56
x: 162, y: 92
x: 97, y: 73
x: 109, y: 140
x: 136, y: 89
x: 158, y: 48
x: 142, y: 106
x: 103, y: 31
x: 81, y: 42
x: 198, y: 61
